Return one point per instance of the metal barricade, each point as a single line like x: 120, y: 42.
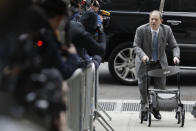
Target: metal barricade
x: 89, y: 97
x: 98, y: 109
x: 81, y: 99
x: 75, y: 83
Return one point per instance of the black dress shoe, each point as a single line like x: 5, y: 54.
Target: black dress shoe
x: 145, y: 117
x: 156, y: 114
x: 144, y: 111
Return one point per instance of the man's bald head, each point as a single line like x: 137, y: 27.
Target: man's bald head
x: 155, y: 19
x: 156, y: 12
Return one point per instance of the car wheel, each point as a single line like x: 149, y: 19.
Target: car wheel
x: 122, y: 64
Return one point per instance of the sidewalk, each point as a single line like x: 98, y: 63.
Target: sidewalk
x: 129, y: 121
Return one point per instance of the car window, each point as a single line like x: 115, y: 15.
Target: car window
x: 133, y: 5
x: 180, y: 5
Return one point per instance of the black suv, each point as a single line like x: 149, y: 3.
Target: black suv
x: 127, y: 15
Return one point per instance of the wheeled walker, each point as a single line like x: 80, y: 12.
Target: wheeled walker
x: 164, y: 100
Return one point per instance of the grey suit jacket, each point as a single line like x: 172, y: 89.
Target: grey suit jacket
x: 143, y: 46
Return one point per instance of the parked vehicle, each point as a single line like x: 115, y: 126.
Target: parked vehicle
x: 127, y: 15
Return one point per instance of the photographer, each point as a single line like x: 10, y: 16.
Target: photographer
x: 35, y: 70
x: 82, y: 37
x: 54, y: 67
x: 96, y: 8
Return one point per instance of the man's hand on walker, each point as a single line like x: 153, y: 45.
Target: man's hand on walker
x: 176, y: 60
x: 145, y: 59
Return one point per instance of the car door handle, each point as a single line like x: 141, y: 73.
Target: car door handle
x: 174, y: 22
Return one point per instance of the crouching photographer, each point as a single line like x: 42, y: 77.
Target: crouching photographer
x: 82, y: 36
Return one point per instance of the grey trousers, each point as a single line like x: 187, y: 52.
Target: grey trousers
x: 159, y: 83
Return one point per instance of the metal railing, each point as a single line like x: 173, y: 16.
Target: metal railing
x: 83, y: 101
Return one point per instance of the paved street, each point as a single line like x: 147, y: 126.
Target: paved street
x: 111, y: 89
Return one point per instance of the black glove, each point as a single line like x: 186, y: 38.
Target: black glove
x: 97, y: 61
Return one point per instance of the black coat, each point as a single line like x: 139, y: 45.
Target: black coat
x: 84, y: 40
x: 52, y: 58
x: 36, y: 22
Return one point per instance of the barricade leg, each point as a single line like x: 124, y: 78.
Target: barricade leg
x: 83, y: 101
x: 89, y: 97
x: 97, y: 114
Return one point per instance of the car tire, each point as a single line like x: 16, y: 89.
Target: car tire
x: 121, y: 64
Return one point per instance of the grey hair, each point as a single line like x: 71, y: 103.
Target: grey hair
x: 160, y: 14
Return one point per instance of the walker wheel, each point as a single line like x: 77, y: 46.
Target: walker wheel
x: 178, y: 115
x: 182, y: 117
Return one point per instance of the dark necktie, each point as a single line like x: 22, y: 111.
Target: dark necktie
x: 155, y: 46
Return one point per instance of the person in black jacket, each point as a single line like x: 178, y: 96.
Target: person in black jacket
x: 50, y: 52
x: 82, y: 35
x: 55, y: 11
x: 38, y: 65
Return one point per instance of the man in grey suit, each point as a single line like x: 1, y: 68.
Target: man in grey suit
x: 150, y: 43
